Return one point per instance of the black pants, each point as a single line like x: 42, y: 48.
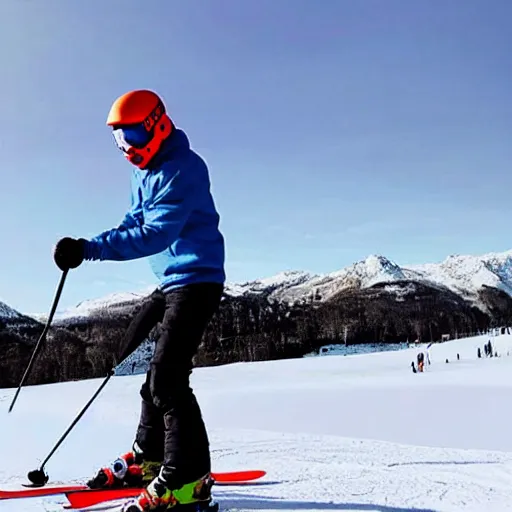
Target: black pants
x: 171, y: 428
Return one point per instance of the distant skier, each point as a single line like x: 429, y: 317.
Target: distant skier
x: 420, y: 359
x: 427, y: 352
x: 174, y: 220
x: 413, y: 367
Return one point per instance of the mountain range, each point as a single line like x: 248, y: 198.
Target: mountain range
x: 283, y: 316
x: 12, y: 319
x: 464, y: 275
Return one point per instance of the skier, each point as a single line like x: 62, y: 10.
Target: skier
x: 420, y: 358
x: 174, y: 221
x: 427, y: 352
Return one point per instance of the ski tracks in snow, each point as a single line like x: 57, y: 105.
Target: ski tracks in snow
x: 307, y: 472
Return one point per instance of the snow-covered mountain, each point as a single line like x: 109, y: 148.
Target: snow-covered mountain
x: 291, y: 286
x: 275, y: 284
x: 463, y: 275
x: 8, y: 313
x: 112, y: 301
x: 10, y: 317
x: 362, y: 274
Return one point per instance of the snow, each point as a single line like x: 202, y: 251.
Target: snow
x: 7, y: 312
x: 399, y: 291
x: 467, y: 274
x: 351, y: 433
x: 89, y: 307
x: 464, y: 275
x: 341, y: 349
x: 363, y: 274
x: 297, y: 285
x: 279, y: 281
x: 137, y: 361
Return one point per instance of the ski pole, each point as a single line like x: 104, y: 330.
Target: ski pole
x: 42, y: 337
x: 149, y: 315
x: 38, y: 477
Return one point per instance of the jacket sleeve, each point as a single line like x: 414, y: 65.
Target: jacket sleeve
x: 163, y: 222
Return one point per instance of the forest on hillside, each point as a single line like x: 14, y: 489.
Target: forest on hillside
x: 257, y: 327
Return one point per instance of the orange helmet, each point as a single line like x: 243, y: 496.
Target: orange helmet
x: 140, y: 125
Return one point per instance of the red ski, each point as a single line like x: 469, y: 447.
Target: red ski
x: 232, y: 477
x: 89, y: 497
x: 39, y: 491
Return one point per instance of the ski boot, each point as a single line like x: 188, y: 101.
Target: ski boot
x: 129, y: 470
x: 158, y: 497
x: 125, y: 471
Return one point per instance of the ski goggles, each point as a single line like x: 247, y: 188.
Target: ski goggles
x: 133, y: 136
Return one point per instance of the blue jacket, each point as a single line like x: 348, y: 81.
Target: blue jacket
x: 172, y: 219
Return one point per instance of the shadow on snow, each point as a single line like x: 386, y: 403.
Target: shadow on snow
x: 251, y: 502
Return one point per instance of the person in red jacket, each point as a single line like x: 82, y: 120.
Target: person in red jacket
x: 420, y: 361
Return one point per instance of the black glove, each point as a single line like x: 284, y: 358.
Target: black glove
x: 69, y: 253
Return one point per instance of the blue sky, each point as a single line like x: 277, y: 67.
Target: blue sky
x: 333, y: 130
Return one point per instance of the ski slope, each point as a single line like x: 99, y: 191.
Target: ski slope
x: 347, y: 433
